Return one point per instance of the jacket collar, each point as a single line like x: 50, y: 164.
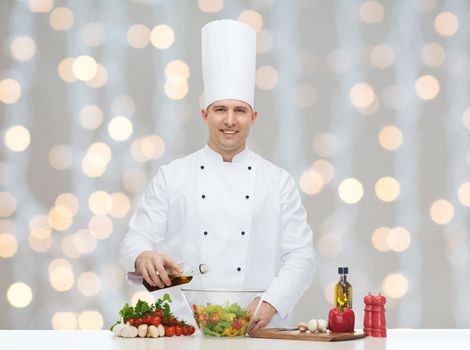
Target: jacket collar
x: 238, y: 158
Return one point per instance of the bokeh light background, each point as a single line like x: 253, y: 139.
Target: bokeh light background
x: 366, y: 103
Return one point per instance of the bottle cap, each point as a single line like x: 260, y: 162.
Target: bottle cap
x: 203, y: 268
x: 345, y: 270
x: 340, y: 270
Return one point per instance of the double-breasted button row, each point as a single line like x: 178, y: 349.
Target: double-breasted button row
x: 206, y: 233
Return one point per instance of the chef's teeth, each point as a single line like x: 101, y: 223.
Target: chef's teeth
x: 229, y: 132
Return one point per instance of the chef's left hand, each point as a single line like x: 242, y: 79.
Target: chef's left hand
x: 264, y: 315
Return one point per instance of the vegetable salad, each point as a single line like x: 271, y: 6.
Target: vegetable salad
x: 229, y: 320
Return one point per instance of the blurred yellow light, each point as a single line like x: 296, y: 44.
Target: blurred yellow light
x: 60, y: 218
x: 442, y: 212
x: 387, y: 189
x: 329, y: 292
x: 40, y: 5
x: 84, y: 242
x: 266, y: 78
x: 8, y: 245
x: 93, y: 34
x: 380, y: 239
x: 382, y: 56
x: 433, y: 54
x: 17, y: 138
x: 162, y: 36
x: 38, y: 243
x: 65, y: 70
x: 427, y: 87
x: 152, y: 147
x: 10, y: 91
x: 100, y: 78
x: 89, y: 283
x: 210, y: 5
x: 61, y: 18
x: 96, y: 159
x: 395, y: 285
x: 177, y: 68
x: 446, y: 23
x: 264, y: 41
x: 100, y: 203
x: 100, y: 227
x: 121, y: 205
x: 68, y: 200
x: 84, y: 67
x: 325, y: 144
x: 23, y: 48
x: 252, y: 18
x: 464, y: 194
x: 466, y: 118
x: 362, y: 95
x: 142, y: 295
x: 90, y: 320
x: 58, y: 263
x: 176, y: 87
x: 61, y: 278
x: 91, y: 117
x: 120, y: 128
x: 371, y: 12
x: 138, y: 36
x: 350, y: 191
x: 19, y: 295
x: 311, y: 182
x: 399, y: 239
x: 390, y: 138
x: 39, y: 226
x: 330, y: 245
x: 134, y: 180
x: 60, y: 157
x: 68, y: 247
x: 7, y: 204
x: 305, y: 95
x: 325, y: 169
x: 64, y: 321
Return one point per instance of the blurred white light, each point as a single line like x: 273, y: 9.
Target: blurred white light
x: 84, y: 67
x: 176, y: 87
x: 442, y: 212
x: 382, y: 56
x: 266, y: 78
x: 90, y: 320
x: 17, y: 138
x: 395, y: 285
x: 8, y: 245
x: 10, y: 91
x: 427, y: 87
x: 210, y: 5
x: 7, y: 204
x: 390, y: 138
x: 100, y: 203
x: 362, y: 95
x: 64, y: 321
x: 120, y: 128
x: 371, y: 12
x: 252, y: 18
x: 61, y: 18
x: 65, y: 69
x: 464, y: 194
x: 162, y: 36
x: 23, y: 48
x: 19, y: 295
x: 387, y: 189
x: 100, y: 227
x: 446, y: 23
x: 138, y: 36
x: 89, y: 283
x: 60, y: 157
x: 350, y: 191
x: 91, y: 117
x: 177, y: 68
x: 40, y: 5
x: 311, y: 182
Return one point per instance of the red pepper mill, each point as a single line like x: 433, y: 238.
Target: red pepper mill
x: 368, y: 314
x: 379, y: 328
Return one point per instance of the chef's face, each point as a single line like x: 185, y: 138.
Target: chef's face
x: 229, y: 123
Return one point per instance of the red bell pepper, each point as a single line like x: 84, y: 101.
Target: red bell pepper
x: 341, y: 319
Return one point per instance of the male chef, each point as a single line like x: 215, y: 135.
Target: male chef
x: 224, y: 205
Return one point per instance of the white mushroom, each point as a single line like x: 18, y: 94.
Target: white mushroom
x: 142, y: 330
x: 313, y: 325
x: 153, y: 332
x: 322, y: 325
x: 161, y: 330
x: 129, y: 331
x: 302, y: 326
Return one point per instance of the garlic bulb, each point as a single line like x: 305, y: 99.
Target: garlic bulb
x: 161, y: 330
x: 313, y: 325
x: 153, y: 331
x: 129, y: 331
x: 142, y: 330
x: 117, y: 329
x: 322, y: 325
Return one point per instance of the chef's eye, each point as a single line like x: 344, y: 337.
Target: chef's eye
x: 239, y: 110
x: 219, y: 109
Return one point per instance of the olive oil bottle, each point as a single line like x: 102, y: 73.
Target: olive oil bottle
x: 343, y: 289
x: 184, y: 277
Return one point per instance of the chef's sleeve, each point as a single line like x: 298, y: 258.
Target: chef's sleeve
x: 296, y: 251
x: 148, y: 225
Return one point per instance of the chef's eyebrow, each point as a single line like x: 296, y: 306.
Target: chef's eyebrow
x: 214, y: 106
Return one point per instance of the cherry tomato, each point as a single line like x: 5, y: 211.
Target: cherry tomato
x: 178, y: 331
x: 131, y: 321
x: 169, y: 331
x: 147, y: 319
x: 185, y: 330
x: 191, y: 330
x: 155, y: 320
x: 158, y: 313
x: 137, y: 322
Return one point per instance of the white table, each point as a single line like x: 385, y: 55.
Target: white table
x: 397, y: 339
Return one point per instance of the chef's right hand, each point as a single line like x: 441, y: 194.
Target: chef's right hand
x: 154, y: 267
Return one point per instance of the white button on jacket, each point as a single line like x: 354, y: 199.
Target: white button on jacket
x: 244, y: 219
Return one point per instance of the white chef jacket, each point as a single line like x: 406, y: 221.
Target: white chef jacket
x: 244, y: 219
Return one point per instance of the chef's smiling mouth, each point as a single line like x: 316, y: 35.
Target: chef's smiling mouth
x: 229, y: 132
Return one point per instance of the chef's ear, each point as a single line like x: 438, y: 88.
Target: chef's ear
x: 254, y: 115
x: 204, y: 113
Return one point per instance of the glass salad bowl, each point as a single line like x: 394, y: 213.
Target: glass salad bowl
x: 223, y: 313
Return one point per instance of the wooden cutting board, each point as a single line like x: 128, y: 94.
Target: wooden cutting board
x: 283, y: 333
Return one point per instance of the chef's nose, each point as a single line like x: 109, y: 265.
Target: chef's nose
x: 230, y: 120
